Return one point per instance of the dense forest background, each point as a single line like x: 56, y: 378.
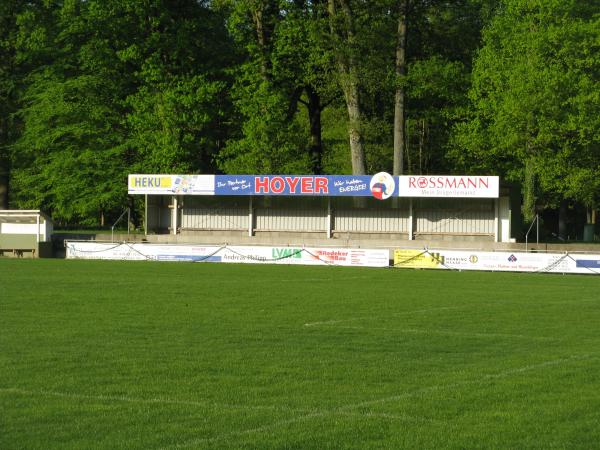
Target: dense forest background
x: 91, y: 90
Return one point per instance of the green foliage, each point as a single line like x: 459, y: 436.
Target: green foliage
x: 174, y: 125
x: 283, y: 56
x: 437, y: 95
x: 270, y: 141
x: 536, y: 100
x: 115, y: 87
x: 69, y: 158
x: 91, y: 90
x: 10, y: 76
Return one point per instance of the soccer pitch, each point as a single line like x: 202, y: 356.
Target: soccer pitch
x: 99, y: 354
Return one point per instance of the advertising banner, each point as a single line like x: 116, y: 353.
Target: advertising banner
x: 171, y: 184
x: 499, y: 261
x: 381, y: 185
x: 418, y: 259
x: 448, y: 186
x: 230, y: 254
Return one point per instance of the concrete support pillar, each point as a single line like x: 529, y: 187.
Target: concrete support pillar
x: 250, y: 217
x: 496, y: 220
x: 329, y: 218
x: 174, y: 214
x: 411, y: 220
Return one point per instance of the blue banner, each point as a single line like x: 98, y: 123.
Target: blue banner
x: 588, y: 263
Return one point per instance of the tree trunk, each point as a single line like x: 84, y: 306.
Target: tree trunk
x: 261, y: 38
x: 421, y: 145
x: 399, y: 110
x: 357, y: 152
x: 349, y: 80
x: 562, y: 220
x: 529, y: 199
x: 4, y: 161
x: 316, y: 143
x: 3, y: 185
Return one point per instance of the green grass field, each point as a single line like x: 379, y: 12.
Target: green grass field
x: 119, y: 355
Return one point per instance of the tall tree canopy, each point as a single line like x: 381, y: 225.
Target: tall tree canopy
x: 117, y: 86
x: 536, y: 101
x: 10, y: 82
x: 92, y: 90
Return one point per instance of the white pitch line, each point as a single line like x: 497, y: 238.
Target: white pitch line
x: 402, y: 313
x: 550, y: 363
x: 271, y: 426
x: 343, y: 409
x: 294, y: 420
x: 400, y: 417
x: 327, y: 280
x: 158, y: 400
x: 456, y: 333
x: 499, y: 375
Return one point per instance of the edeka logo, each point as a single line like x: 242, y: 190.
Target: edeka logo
x: 151, y: 182
x: 287, y: 252
x: 382, y: 185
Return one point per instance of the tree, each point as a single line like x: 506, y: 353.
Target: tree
x: 117, y: 86
x: 535, y: 100
x: 10, y: 74
x: 283, y: 69
x: 176, y: 112
x: 344, y: 39
x: 399, y: 104
x: 441, y: 40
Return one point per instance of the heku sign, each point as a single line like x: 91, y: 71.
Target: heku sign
x: 449, y: 186
x: 154, y: 182
x: 171, y: 184
x: 381, y: 185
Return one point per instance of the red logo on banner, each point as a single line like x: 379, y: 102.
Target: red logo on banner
x: 382, y: 185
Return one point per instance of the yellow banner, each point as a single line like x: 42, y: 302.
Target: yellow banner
x: 419, y: 259
x: 150, y: 182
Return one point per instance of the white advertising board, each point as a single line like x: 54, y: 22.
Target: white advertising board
x: 499, y: 261
x: 448, y: 186
x: 230, y: 254
x: 171, y: 184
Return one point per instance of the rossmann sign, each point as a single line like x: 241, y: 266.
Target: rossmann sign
x: 448, y: 186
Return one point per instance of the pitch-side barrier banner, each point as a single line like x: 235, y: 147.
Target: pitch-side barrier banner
x: 230, y: 254
x: 498, y: 261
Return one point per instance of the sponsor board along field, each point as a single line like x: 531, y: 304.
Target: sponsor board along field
x: 151, y: 355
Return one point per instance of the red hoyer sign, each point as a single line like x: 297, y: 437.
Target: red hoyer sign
x: 291, y: 185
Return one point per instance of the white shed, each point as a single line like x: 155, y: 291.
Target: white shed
x: 25, y: 231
